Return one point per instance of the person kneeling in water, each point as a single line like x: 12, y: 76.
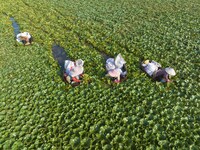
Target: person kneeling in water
x: 164, y: 75
x: 116, y: 68
x: 73, y: 71
x: 24, y: 38
x: 154, y: 70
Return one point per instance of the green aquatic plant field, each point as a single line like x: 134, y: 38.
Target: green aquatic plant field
x: 39, y: 111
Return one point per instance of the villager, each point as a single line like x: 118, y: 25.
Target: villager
x: 154, y: 70
x: 150, y: 67
x: 164, y: 75
x: 24, y: 38
x: 73, y: 71
x: 116, y: 68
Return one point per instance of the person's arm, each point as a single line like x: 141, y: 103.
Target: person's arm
x: 118, y: 78
x: 75, y: 79
x: 22, y: 38
x: 27, y: 43
x: 166, y: 77
x: 18, y: 36
x: 143, y: 65
x: 81, y: 75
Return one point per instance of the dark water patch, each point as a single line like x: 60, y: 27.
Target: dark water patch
x: 15, y: 26
x: 59, y: 55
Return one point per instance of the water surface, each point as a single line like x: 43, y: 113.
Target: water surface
x: 59, y: 55
x: 15, y: 26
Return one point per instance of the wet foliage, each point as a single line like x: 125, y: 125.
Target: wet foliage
x: 38, y: 110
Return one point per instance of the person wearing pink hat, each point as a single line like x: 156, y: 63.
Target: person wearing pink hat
x: 116, y: 68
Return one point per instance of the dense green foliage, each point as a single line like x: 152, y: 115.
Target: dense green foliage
x: 38, y: 110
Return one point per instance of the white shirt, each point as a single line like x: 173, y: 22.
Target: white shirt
x: 150, y: 68
x: 24, y: 34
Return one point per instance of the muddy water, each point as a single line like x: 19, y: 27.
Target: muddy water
x: 15, y: 26
x: 59, y: 55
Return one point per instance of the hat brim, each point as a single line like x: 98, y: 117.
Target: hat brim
x: 170, y: 71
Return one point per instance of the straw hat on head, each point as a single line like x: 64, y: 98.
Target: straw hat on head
x: 79, y: 62
x: 170, y: 71
x: 110, y: 64
x: 25, y: 34
x: 146, y: 61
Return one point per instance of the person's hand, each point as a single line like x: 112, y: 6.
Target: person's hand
x: 117, y: 81
x: 168, y: 80
x: 27, y: 43
x: 107, y: 75
x: 27, y: 39
x: 75, y: 79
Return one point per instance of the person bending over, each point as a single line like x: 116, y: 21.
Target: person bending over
x: 116, y: 68
x: 73, y: 71
x: 154, y: 70
x: 24, y: 38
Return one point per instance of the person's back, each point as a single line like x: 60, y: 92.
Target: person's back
x: 24, y: 38
x: 77, y: 70
x: 116, y: 68
x: 74, y: 71
x: 150, y: 68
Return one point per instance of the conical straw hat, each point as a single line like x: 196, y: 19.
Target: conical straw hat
x: 170, y: 71
x: 146, y: 61
x: 79, y: 62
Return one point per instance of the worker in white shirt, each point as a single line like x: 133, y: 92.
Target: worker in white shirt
x: 24, y: 38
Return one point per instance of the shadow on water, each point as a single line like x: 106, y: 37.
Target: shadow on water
x: 15, y: 26
x: 60, y: 56
x: 103, y: 54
